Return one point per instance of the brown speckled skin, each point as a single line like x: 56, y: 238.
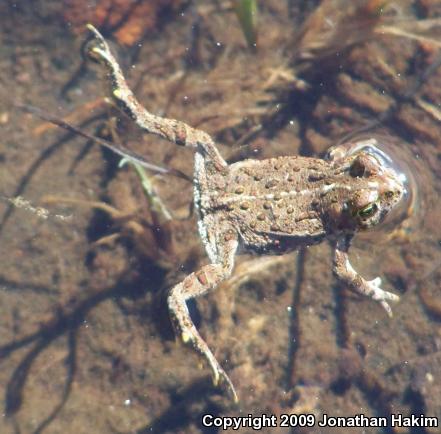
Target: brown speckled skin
x: 270, y: 206
x: 277, y: 204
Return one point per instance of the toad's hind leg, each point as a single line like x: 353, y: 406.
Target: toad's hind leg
x: 170, y: 129
x: 198, y: 283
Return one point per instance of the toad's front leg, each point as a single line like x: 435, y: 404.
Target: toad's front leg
x: 200, y: 282
x: 345, y: 273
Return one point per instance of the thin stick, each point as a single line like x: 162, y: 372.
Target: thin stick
x: 120, y: 150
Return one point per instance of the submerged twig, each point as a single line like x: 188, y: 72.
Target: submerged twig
x: 43, y: 213
x: 120, y: 150
x: 155, y: 202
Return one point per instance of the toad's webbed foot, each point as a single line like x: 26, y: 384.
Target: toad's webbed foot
x: 369, y: 288
x: 190, y: 336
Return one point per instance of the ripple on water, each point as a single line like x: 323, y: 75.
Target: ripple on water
x: 408, y: 215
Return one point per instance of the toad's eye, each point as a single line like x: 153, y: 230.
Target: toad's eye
x: 364, y: 165
x: 368, y: 211
x: 357, y: 168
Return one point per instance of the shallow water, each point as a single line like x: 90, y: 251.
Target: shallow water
x: 86, y: 345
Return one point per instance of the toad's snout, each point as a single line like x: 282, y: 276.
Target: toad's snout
x: 393, y: 186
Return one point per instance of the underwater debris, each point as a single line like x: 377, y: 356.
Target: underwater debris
x: 246, y: 11
x: 43, y: 213
x: 127, y: 20
x: 328, y: 35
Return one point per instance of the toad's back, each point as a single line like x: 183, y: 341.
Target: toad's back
x: 273, y: 202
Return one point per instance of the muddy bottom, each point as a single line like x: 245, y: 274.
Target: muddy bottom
x: 86, y: 345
